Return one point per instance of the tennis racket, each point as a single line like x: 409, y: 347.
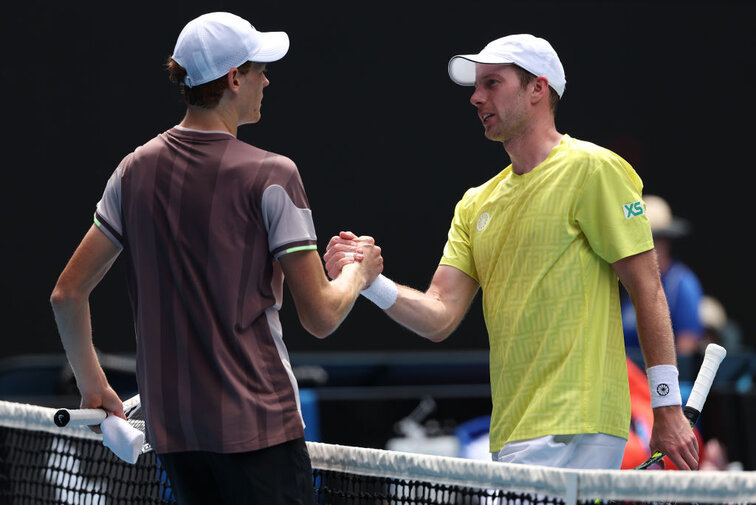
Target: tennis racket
x: 712, y: 358
x: 88, y: 417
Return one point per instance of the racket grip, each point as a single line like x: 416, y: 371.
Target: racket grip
x: 712, y: 358
x: 655, y: 458
x: 79, y: 417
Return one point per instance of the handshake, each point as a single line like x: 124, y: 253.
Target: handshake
x: 347, y: 248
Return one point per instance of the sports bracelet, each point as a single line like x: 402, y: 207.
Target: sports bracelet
x: 662, y: 382
x: 382, y: 292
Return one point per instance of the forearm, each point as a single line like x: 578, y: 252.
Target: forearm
x: 423, y: 313
x: 640, y: 276
x: 72, y: 317
x: 436, y: 313
x: 654, y: 327
x: 70, y: 304
x: 671, y: 432
x: 334, y: 303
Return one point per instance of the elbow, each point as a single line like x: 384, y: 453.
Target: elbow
x: 63, y: 297
x: 438, y: 336
x: 319, y: 327
x: 445, y: 325
x: 320, y: 332
x: 60, y: 298
x: 448, y: 325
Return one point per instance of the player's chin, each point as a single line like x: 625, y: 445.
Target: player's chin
x: 491, y: 134
x: 253, y: 118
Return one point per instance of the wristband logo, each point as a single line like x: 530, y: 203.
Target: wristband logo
x: 483, y: 221
x: 662, y: 389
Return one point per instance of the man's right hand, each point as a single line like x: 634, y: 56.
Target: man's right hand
x: 102, y: 398
x: 671, y: 434
x: 348, y: 248
x: 361, y: 251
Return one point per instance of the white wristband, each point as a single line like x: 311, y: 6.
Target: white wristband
x: 662, y: 382
x: 382, y: 292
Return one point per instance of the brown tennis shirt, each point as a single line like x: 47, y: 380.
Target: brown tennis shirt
x: 201, y: 218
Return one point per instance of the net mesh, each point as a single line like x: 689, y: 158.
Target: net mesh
x: 42, y: 468
x: 339, y: 488
x: 43, y: 464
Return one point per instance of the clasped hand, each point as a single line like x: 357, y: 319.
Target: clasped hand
x: 346, y: 248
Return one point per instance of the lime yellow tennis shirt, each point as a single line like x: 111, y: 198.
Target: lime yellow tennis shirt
x: 541, y: 246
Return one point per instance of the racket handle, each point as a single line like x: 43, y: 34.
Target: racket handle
x: 712, y: 358
x: 655, y: 458
x: 79, y: 417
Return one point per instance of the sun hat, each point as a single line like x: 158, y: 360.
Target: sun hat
x: 214, y: 43
x: 532, y: 53
x: 712, y: 313
x: 663, y: 223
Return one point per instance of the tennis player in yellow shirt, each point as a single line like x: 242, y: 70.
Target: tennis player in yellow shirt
x: 546, y: 240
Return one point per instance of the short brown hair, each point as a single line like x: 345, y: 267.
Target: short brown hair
x: 205, y: 95
x: 527, y: 77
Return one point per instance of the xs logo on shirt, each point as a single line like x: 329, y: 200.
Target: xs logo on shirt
x: 633, y: 209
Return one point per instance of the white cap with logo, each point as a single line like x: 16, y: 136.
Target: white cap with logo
x: 534, y: 54
x: 212, y: 44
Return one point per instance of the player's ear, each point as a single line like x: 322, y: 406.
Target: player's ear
x: 540, y: 89
x: 233, y: 79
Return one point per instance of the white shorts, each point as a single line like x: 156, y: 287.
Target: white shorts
x: 583, y: 451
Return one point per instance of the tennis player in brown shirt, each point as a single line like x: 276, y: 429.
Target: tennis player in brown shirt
x: 209, y: 226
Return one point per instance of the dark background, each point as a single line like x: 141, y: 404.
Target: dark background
x: 385, y: 142
x: 386, y: 145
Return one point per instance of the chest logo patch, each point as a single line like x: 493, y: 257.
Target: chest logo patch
x: 483, y: 221
x: 633, y: 209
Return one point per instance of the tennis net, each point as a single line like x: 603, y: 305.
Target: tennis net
x: 43, y: 464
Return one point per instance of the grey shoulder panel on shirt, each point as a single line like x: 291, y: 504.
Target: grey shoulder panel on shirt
x: 285, y: 222
x: 109, y: 208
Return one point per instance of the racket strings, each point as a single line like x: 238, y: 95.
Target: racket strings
x: 135, y: 417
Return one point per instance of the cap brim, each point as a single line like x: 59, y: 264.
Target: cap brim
x: 462, y: 66
x: 273, y: 47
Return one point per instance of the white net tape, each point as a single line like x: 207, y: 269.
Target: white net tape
x: 570, y: 485
x: 637, y: 485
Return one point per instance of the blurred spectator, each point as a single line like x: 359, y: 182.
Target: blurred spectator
x: 681, y: 286
x: 739, y: 367
x: 718, y: 328
x: 716, y: 458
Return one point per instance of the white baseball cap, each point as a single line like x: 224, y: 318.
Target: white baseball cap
x: 212, y: 44
x: 663, y: 222
x: 534, y: 54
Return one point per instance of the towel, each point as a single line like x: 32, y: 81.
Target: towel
x: 123, y: 439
